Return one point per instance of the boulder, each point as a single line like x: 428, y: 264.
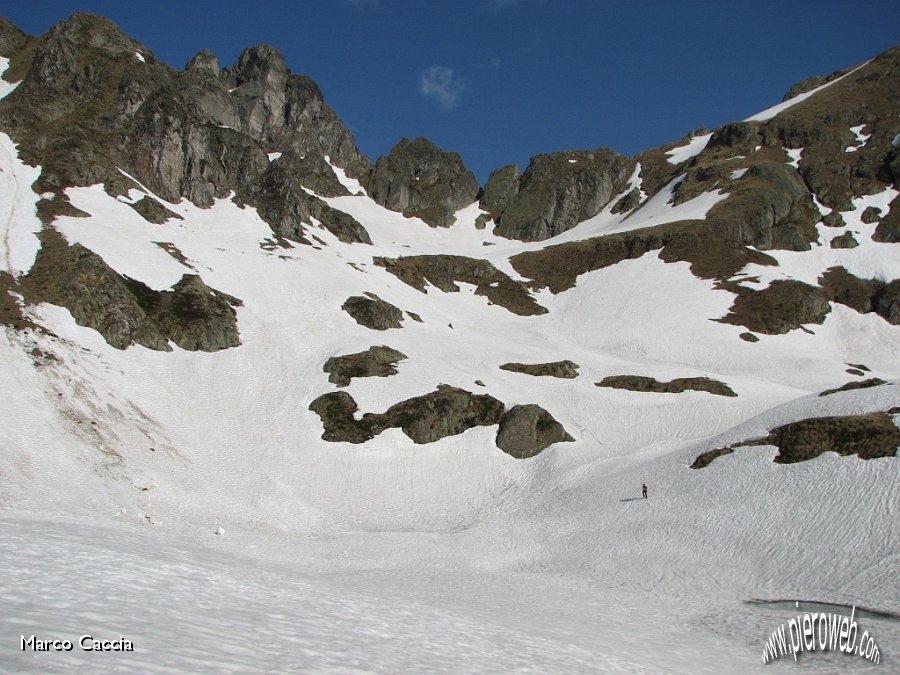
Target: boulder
x: 526, y: 430
x: 373, y: 312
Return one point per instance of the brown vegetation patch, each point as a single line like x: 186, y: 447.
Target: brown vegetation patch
x: 10, y: 307
x: 856, y: 384
x: 710, y: 255
x: 59, y: 205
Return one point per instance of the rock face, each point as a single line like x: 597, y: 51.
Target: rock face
x: 555, y: 193
x: 126, y: 312
x: 420, y: 180
x: 93, y: 100
x: 289, y: 209
x: 526, y: 430
x: 501, y: 189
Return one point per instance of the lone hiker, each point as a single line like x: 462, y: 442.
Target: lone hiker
x: 644, y: 490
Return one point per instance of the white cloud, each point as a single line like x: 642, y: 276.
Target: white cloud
x: 442, y: 85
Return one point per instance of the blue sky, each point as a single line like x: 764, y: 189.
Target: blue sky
x: 501, y: 80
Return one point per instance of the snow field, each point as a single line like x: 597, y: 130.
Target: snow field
x: 119, y: 466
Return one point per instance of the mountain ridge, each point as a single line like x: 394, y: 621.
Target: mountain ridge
x: 750, y: 226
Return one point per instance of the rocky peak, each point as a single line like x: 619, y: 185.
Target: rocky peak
x: 79, y: 53
x: 420, y: 180
x: 11, y: 38
x: 93, y: 100
x: 204, y: 60
x: 556, y: 192
x: 261, y: 65
x: 285, y: 111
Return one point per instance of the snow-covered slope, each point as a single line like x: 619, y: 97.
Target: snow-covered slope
x: 118, y: 466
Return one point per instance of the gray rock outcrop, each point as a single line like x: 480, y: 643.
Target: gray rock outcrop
x: 125, y: 311
x: 447, y: 411
x: 556, y: 192
x: 676, y: 386
x: 564, y: 369
x: 373, y: 312
x: 523, y: 431
x: 420, y: 180
x: 380, y: 361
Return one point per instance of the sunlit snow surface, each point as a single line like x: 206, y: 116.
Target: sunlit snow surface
x: 692, y: 149
x: 119, y: 466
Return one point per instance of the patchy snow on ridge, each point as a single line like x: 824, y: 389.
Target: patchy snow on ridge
x: 769, y: 113
x: 693, y: 148
x: 869, y: 260
x: 861, y: 138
